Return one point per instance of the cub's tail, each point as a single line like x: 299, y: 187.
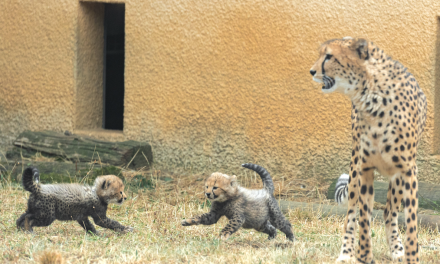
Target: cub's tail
x: 341, y: 189
x: 29, y: 175
x: 265, y: 176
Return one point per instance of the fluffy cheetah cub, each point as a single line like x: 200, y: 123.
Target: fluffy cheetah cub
x: 71, y: 202
x: 245, y: 208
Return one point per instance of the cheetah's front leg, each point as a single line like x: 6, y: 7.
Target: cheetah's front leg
x: 347, y: 249
x: 204, y: 219
x: 234, y: 224
x: 366, y: 202
x: 87, y: 225
x: 410, y: 198
x: 394, y: 200
x: 104, y: 221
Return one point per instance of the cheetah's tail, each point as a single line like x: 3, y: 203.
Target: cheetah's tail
x: 29, y: 175
x: 341, y: 189
x: 265, y: 176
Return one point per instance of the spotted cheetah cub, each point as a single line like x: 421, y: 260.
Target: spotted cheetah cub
x: 71, y: 202
x: 245, y: 208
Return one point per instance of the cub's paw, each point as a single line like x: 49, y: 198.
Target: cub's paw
x: 224, y: 237
x: 96, y: 233
x: 185, y: 223
x: 127, y: 229
x: 291, y: 238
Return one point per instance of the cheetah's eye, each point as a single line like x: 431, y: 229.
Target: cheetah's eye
x: 328, y: 56
x: 214, y: 188
x: 121, y: 192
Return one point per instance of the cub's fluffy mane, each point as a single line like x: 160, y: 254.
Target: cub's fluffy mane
x: 66, y: 190
x: 253, y: 195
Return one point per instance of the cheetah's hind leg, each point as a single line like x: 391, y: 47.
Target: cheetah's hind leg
x: 27, y: 223
x: 31, y: 220
x: 279, y: 221
x: 270, y: 230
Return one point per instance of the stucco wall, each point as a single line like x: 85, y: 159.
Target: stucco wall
x: 436, y: 142
x: 213, y: 84
x: 37, y: 77
x: 89, y: 66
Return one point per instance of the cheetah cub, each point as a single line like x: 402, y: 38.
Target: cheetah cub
x: 245, y: 208
x: 71, y: 202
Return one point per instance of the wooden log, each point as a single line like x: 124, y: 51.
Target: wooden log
x: 429, y: 194
x: 51, y: 172
x: 81, y: 149
x: 431, y: 221
x: 53, y: 167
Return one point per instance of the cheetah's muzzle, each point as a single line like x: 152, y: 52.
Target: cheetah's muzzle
x: 328, y: 82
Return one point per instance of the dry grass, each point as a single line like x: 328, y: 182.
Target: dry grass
x: 159, y: 238
x: 50, y: 257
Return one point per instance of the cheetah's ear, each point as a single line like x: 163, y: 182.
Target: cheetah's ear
x: 233, y: 181
x: 105, y: 184
x: 361, y: 48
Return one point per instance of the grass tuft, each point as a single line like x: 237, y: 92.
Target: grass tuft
x: 50, y: 257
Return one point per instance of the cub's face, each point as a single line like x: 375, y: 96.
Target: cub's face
x: 110, y: 189
x: 339, y: 63
x: 220, y: 187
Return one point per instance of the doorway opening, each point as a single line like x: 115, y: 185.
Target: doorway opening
x: 114, y: 57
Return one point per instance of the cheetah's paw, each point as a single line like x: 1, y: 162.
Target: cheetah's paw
x: 397, y: 255
x: 128, y: 229
x: 345, y: 258
x: 224, y: 237
x: 185, y: 223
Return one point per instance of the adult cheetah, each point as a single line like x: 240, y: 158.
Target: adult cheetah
x: 388, y: 118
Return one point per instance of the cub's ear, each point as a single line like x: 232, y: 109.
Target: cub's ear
x: 105, y: 184
x: 233, y: 181
x: 361, y: 48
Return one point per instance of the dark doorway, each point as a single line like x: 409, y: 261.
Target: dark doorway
x: 114, y: 54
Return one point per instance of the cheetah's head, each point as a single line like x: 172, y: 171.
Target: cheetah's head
x: 220, y: 187
x: 340, y: 64
x: 110, y: 189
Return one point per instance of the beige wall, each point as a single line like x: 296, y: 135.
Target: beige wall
x: 89, y: 66
x: 212, y: 84
x: 37, y: 77
x: 436, y: 148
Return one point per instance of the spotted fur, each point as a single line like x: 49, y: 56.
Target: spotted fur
x: 257, y: 209
x: 388, y: 118
x: 71, y: 202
